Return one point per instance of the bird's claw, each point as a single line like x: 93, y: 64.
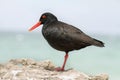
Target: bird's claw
x: 59, y: 69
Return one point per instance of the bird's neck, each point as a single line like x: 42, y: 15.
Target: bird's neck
x: 50, y: 21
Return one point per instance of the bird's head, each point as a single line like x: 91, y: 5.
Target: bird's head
x: 44, y: 19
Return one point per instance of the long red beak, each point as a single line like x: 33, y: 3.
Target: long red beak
x: 35, y: 26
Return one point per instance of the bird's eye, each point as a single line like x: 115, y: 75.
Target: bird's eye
x: 44, y: 16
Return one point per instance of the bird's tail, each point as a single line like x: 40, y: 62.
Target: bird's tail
x: 98, y: 43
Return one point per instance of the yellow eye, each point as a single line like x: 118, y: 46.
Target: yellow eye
x: 44, y: 16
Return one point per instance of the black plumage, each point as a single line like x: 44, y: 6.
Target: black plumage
x: 64, y: 37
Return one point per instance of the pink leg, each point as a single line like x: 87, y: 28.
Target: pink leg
x: 65, y: 59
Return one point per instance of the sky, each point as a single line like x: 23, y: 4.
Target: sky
x: 94, y: 16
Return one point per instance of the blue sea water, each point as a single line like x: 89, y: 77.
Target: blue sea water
x: 91, y: 60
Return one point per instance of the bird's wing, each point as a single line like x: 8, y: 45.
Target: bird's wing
x: 74, y: 34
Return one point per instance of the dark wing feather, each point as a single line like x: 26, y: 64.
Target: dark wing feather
x: 75, y: 34
x: 78, y: 36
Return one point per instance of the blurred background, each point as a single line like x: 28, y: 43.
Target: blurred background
x: 99, y: 19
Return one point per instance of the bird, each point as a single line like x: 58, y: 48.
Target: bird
x: 63, y: 36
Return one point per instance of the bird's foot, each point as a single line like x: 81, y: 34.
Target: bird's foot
x: 59, y: 69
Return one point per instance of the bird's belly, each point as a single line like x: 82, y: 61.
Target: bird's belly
x: 64, y: 45
x: 55, y: 40
x: 61, y: 45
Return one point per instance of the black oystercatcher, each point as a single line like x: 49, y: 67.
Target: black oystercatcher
x: 64, y: 37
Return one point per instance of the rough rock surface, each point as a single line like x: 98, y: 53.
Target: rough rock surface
x: 28, y: 69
